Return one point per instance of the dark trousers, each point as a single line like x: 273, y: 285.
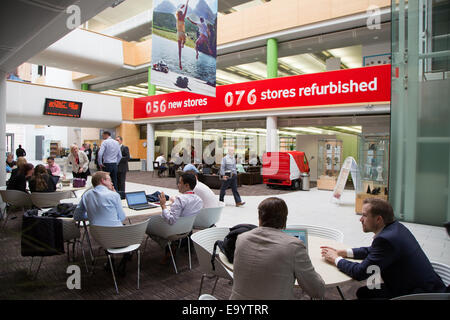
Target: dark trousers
x: 82, y: 175
x: 112, y: 169
x: 364, y: 293
x: 121, y: 178
x: 230, y: 182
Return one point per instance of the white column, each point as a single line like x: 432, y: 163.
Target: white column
x: 198, y: 141
x: 150, y: 146
x: 271, y: 134
x: 3, y: 128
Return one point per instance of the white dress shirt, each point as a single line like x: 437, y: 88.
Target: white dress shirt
x: 207, y: 195
x: 349, y: 255
x: 109, y: 152
x: 185, y: 205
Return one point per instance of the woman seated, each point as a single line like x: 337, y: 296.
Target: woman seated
x: 10, y: 160
x: 21, y: 161
x: 18, y: 180
x: 41, y: 180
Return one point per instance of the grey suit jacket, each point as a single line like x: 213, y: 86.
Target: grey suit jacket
x: 266, y: 263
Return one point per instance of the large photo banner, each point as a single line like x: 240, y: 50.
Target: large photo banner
x: 184, y: 38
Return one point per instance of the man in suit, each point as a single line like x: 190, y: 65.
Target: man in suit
x: 123, y: 165
x: 394, y: 253
x: 267, y: 261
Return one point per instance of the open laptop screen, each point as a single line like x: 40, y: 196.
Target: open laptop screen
x: 136, y: 198
x: 301, y: 234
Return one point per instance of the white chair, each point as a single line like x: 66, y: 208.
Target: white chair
x: 48, y: 199
x: 204, y: 243
x: 207, y: 297
x: 180, y: 229
x: 120, y: 239
x: 322, y: 232
x: 207, y: 217
x: 443, y: 271
x: 424, y: 296
x: 15, y: 198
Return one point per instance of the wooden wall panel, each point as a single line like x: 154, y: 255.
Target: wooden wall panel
x: 127, y: 108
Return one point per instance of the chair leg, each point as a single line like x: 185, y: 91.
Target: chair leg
x: 201, y: 285
x: 112, y: 271
x: 189, y: 251
x: 139, y: 267
x: 215, y: 283
x: 173, y: 259
x: 88, y: 240
x: 84, y: 256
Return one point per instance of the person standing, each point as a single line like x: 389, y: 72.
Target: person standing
x: 79, y: 161
x: 228, y: 174
x: 109, y: 157
x: 123, y: 165
x: 88, y: 151
x: 20, y: 152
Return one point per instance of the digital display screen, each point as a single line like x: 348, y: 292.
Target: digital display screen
x: 63, y: 108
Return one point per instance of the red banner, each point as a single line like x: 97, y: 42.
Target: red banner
x: 360, y: 85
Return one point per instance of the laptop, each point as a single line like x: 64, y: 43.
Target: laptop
x: 138, y: 201
x: 301, y: 234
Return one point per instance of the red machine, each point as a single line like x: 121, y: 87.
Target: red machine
x: 285, y: 169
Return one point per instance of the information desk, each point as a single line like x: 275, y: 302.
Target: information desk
x: 329, y: 273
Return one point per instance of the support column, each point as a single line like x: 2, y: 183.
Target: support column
x: 150, y: 146
x: 272, y: 58
x: 150, y: 129
x: 271, y: 134
x: 3, y: 127
x: 198, y: 141
x: 151, y: 87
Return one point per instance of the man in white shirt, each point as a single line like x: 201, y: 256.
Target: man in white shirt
x: 161, y: 161
x: 109, y: 157
x: 186, y: 204
x: 204, y: 192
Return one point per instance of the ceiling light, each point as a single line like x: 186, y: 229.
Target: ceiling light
x: 352, y: 129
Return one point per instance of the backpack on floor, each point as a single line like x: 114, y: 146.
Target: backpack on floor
x: 228, y: 244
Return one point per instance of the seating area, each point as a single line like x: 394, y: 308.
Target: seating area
x: 188, y: 274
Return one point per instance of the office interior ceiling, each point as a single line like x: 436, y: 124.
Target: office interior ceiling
x: 130, y: 9
x: 28, y: 27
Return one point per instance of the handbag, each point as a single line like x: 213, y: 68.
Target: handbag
x: 79, y: 182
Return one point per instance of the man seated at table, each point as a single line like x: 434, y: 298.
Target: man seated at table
x: 395, y: 253
x: 267, y: 261
x: 53, y: 167
x: 204, y: 192
x: 161, y: 164
x: 184, y: 205
x: 102, y: 206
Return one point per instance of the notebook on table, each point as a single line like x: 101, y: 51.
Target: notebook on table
x: 301, y: 234
x: 138, y: 201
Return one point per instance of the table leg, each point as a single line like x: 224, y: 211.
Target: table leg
x: 340, y: 292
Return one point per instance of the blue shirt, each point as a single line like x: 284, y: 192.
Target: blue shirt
x: 103, y: 206
x: 109, y: 152
x: 190, y: 167
x: 228, y: 164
